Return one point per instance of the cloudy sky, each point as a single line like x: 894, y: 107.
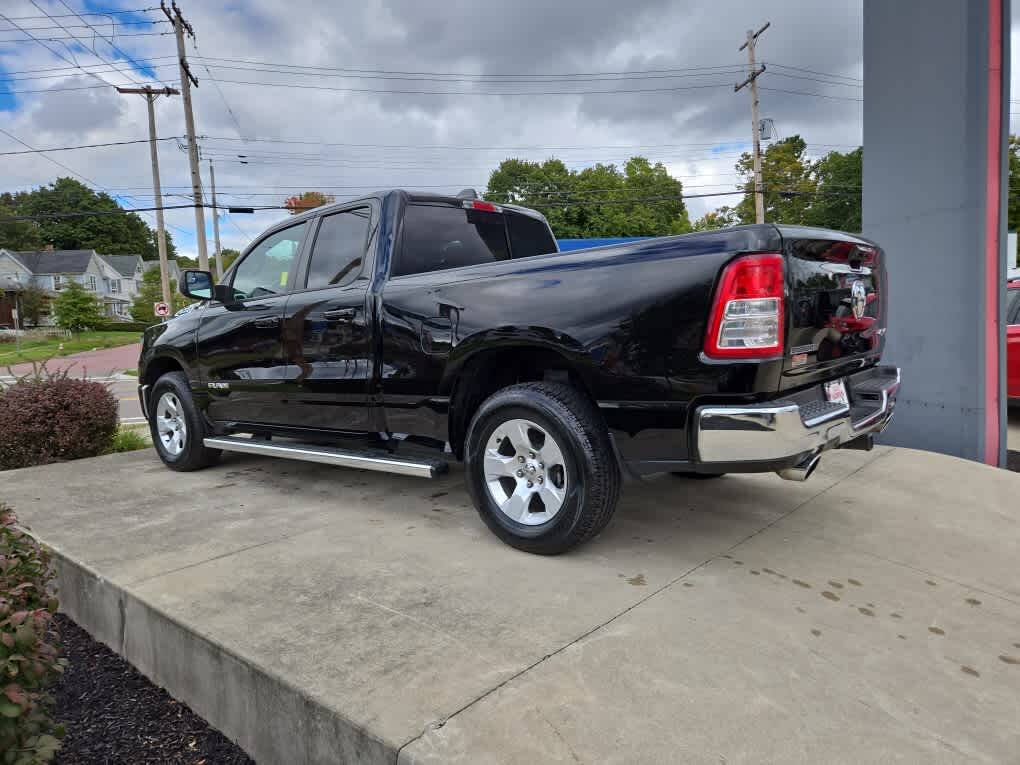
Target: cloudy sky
x: 415, y: 94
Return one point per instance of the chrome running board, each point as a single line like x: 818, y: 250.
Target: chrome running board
x: 328, y: 455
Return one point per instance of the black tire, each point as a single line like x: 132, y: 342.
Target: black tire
x: 592, y: 483
x: 696, y: 476
x: 194, y: 455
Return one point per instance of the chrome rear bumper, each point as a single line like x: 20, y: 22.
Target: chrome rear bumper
x: 796, y: 428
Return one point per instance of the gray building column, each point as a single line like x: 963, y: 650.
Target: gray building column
x: 936, y: 121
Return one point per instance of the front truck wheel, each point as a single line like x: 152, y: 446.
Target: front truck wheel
x: 540, y: 467
x: 178, y: 428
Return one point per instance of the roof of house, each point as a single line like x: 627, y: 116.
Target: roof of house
x: 14, y: 256
x: 125, y: 265
x: 56, y: 261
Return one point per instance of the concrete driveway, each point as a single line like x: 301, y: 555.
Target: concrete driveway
x: 313, y: 614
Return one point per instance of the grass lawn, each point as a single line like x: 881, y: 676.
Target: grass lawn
x: 39, y: 349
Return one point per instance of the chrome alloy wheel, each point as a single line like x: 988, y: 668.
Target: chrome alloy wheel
x: 525, y: 472
x: 170, y: 424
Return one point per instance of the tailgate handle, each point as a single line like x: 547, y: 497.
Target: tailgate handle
x: 339, y: 314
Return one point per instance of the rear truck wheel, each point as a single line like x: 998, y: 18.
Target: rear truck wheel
x: 540, y: 467
x: 178, y: 428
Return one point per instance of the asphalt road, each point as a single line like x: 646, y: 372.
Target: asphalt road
x: 126, y: 392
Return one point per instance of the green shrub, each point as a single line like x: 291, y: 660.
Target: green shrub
x: 29, y: 647
x: 129, y: 441
x: 49, y: 417
x: 77, y: 309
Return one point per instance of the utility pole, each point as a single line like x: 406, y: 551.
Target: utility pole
x: 187, y: 79
x: 150, y: 98
x: 753, y: 72
x: 216, y: 223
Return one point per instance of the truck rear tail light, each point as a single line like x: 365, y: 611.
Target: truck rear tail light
x: 477, y: 204
x: 747, y: 315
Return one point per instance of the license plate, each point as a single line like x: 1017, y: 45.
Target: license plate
x: 835, y: 392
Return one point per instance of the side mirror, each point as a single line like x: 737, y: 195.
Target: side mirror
x: 197, y: 284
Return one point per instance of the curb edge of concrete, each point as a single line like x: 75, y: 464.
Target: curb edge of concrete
x: 273, y: 721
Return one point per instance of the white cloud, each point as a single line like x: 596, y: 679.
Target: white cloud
x: 532, y: 37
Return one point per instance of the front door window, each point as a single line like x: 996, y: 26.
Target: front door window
x: 266, y: 270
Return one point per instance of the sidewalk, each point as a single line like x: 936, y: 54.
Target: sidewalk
x: 321, y: 615
x: 105, y: 362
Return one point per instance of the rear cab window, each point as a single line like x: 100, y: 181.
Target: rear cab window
x: 439, y: 235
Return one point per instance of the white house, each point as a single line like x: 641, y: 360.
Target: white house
x: 115, y: 279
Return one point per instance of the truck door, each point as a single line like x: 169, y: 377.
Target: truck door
x: 240, y: 345
x: 328, y: 328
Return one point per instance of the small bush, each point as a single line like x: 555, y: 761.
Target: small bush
x: 46, y: 417
x: 29, y: 647
x: 129, y: 441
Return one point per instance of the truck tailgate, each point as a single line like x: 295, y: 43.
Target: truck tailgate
x: 836, y: 312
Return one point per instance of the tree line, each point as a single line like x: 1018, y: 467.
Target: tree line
x: 110, y: 232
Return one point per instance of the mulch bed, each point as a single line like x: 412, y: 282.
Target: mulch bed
x: 115, y: 715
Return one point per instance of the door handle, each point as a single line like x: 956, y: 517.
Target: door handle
x: 268, y: 322
x: 339, y: 314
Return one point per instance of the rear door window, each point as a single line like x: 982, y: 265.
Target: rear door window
x: 339, y: 249
x: 529, y: 236
x: 441, y: 236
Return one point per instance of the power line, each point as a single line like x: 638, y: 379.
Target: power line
x: 77, y: 26
x: 814, y: 71
x: 223, y: 98
x: 72, y: 37
x: 806, y: 93
x: 616, y: 91
x: 83, y: 66
x: 119, y: 71
x: 112, y: 12
x: 110, y: 42
x: 85, y: 146
x: 57, y: 54
x: 706, y: 69
x: 72, y: 172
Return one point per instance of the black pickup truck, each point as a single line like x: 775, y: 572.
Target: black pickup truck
x: 403, y: 330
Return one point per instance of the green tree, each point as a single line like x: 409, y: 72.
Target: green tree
x: 111, y: 233
x: 76, y: 309
x: 599, y: 201
x: 32, y: 301
x: 789, y: 184
x: 150, y: 293
x: 836, y: 202
x: 17, y: 234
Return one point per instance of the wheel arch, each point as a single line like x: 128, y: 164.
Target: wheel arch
x: 490, y: 364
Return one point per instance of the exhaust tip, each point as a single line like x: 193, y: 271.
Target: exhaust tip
x: 802, y: 471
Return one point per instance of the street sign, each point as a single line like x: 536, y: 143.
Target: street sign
x: 161, y: 309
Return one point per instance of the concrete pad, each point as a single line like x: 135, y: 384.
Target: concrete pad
x: 316, y: 614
